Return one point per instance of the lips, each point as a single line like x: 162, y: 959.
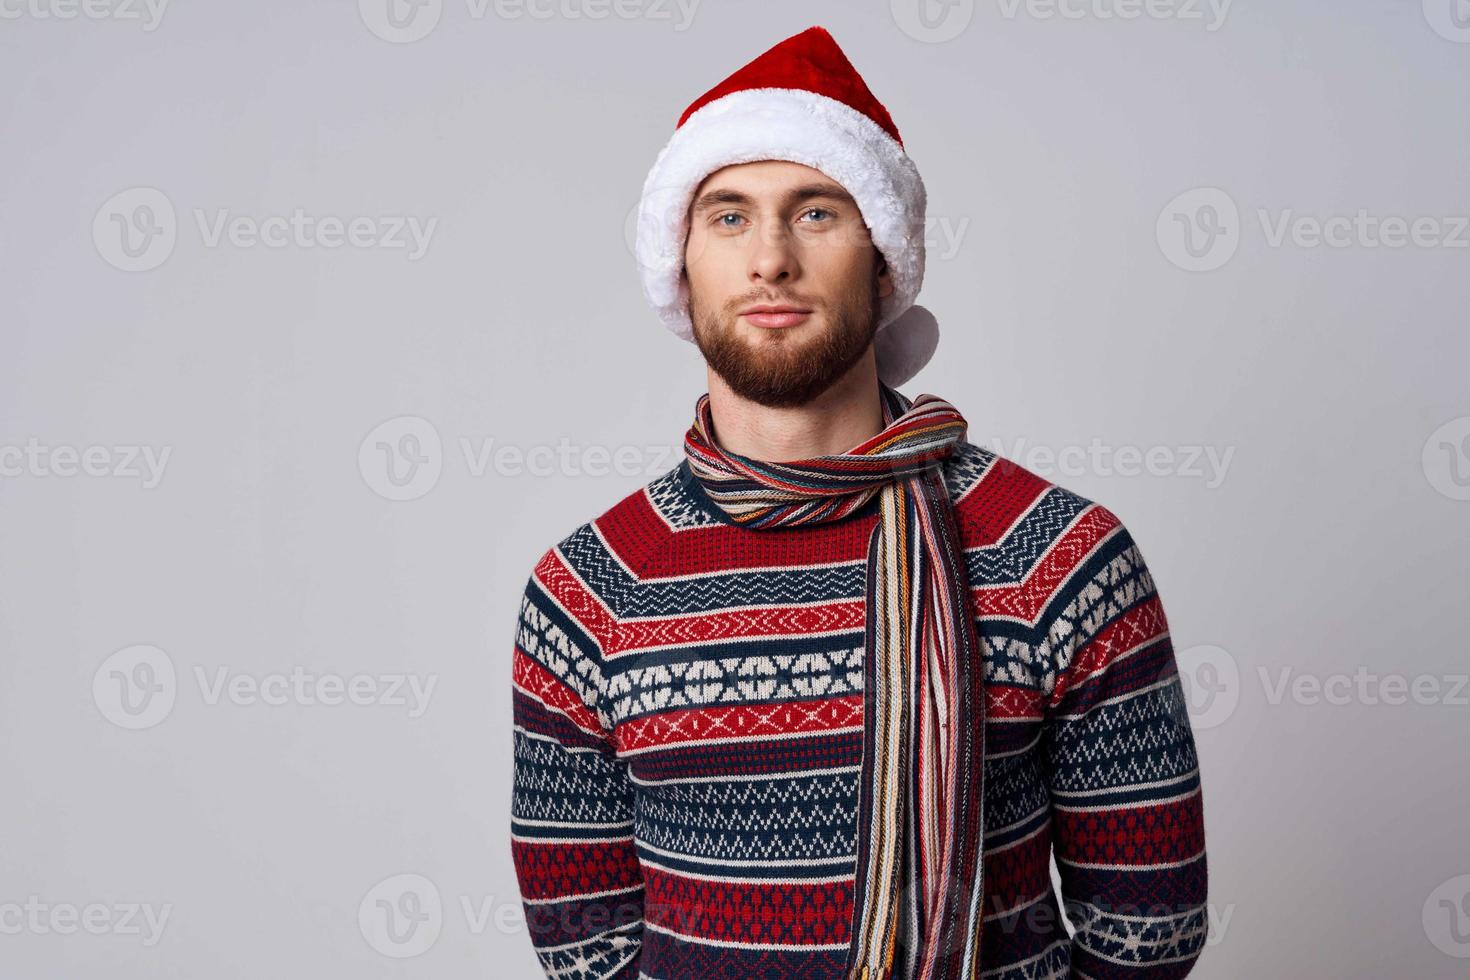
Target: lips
x: 776, y: 316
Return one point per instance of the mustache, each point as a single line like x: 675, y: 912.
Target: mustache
x: 763, y: 298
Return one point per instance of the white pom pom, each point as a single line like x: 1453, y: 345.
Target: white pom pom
x: 904, y: 345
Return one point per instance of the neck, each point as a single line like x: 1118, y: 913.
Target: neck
x: 838, y: 419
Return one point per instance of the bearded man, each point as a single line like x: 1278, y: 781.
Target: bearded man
x: 823, y: 700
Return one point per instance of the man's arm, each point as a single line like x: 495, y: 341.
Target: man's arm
x: 572, y: 803
x: 1127, y: 812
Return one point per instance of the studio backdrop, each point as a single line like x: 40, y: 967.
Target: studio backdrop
x: 321, y: 321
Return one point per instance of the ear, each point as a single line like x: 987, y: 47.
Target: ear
x: 885, y: 278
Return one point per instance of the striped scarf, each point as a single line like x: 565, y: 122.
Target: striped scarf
x: 923, y: 717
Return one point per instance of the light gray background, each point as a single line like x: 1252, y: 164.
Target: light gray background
x: 1052, y: 148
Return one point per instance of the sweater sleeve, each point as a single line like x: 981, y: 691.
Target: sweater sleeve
x: 1127, y: 811
x: 572, y: 801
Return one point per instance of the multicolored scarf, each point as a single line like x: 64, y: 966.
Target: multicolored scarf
x: 920, y: 814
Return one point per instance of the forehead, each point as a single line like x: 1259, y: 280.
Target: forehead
x: 766, y: 177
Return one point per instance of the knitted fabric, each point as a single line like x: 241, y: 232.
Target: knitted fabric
x: 688, y: 701
x: 920, y: 823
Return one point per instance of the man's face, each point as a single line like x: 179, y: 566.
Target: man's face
x: 774, y: 233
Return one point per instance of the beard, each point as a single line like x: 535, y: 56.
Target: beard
x: 788, y: 366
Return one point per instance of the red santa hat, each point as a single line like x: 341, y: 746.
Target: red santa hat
x: 801, y: 101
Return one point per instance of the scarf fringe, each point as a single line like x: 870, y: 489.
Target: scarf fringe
x: 921, y: 809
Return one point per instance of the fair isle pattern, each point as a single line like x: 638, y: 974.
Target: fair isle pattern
x: 919, y: 819
x: 688, y: 719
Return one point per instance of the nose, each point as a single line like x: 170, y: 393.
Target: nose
x: 773, y: 258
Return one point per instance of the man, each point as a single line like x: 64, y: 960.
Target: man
x: 822, y: 700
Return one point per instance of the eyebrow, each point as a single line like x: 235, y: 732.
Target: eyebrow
x: 805, y: 192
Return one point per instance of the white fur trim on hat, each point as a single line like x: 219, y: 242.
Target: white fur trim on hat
x: 819, y: 132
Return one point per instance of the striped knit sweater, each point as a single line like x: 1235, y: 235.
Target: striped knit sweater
x: 688, y: 708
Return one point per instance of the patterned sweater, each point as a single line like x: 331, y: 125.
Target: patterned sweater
x: 688, y: 708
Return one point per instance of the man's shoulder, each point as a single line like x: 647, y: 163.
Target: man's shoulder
x: 645, y: 515
x: 1032, y: 523
x: 981, y: 479
x: 607, y: 552
x: 1054, y: 565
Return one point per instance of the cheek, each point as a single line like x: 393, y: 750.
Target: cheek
x: 837, y: 271
x: 708, y: 246
x: 697, y: 254
x: 714, y: 269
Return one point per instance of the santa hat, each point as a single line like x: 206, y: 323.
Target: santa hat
x: 801, y: 101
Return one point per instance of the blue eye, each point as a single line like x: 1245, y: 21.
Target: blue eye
x: 817, y: 211
x: 721, y: 219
